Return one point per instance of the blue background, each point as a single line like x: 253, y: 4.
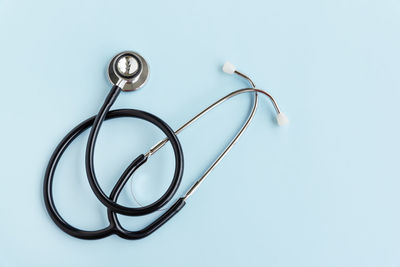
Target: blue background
x: 323, y: 191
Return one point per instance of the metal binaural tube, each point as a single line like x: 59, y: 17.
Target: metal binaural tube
x: 235, y: 139
x: 160, y: 144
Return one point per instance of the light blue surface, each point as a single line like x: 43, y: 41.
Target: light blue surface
x: 322, y: 192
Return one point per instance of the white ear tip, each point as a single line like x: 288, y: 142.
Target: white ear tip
x: 282, y: 119
x: 229, y: 68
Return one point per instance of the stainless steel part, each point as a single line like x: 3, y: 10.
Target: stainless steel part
x: 128, y: 66
x: 160, y: 144
x: 235, y: 139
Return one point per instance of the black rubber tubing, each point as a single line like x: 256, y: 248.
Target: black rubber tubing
x: 111, y: 202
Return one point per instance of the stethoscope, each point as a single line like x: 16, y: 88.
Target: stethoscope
x: 128, y: 71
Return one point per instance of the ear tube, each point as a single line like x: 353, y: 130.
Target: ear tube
x: 281, y: 118
x: 230, y: 69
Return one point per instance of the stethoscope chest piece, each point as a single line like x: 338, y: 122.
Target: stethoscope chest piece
x: 129, y: 67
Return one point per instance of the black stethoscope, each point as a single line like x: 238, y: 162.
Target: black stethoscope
x: 128, y: 71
